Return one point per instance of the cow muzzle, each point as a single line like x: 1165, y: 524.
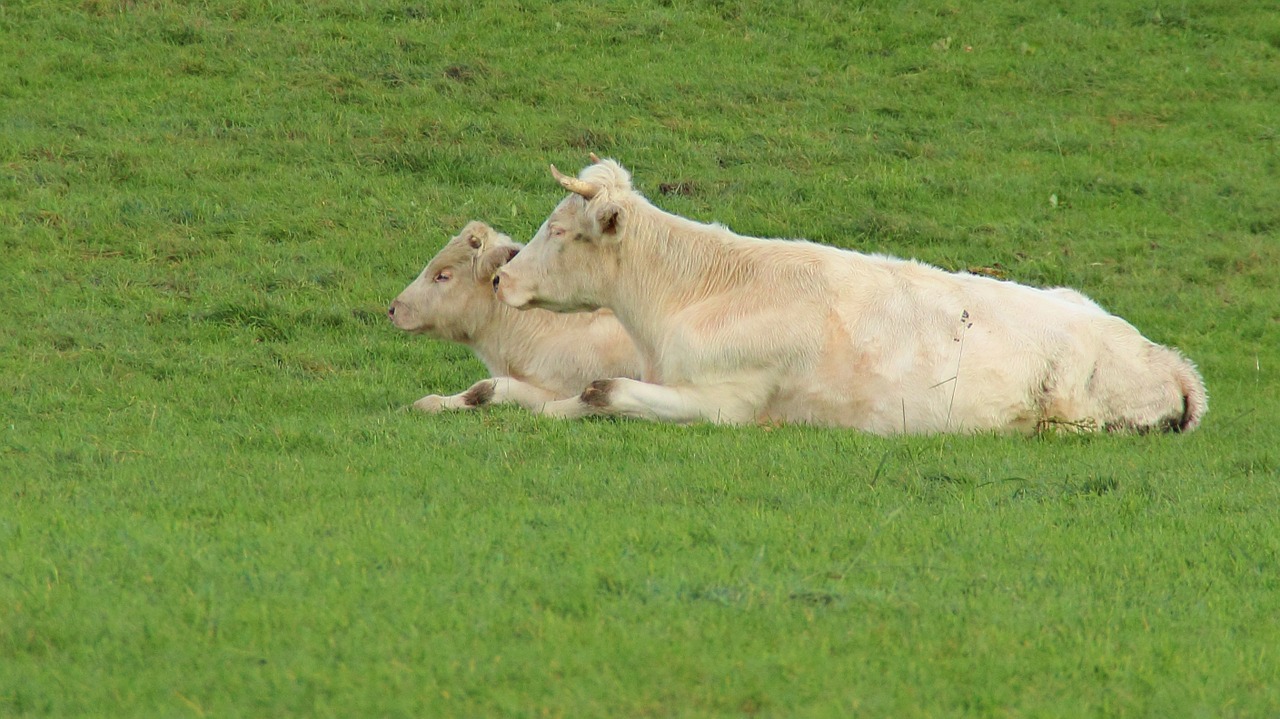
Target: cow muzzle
x: 508, y: 291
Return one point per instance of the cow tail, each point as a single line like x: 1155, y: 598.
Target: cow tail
x: 1195, y: 398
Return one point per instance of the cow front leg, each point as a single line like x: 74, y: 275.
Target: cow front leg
x: 508, y: 390
x: 728, y: 403
x: 571, y: 408
x: 443, y: 403
x: 486, y: 392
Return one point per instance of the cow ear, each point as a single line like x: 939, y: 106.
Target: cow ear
x: 488, y: 261
x: 607, y: 220
x: 475, y: 234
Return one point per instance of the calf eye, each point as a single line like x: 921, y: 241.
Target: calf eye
x: 444, y: 276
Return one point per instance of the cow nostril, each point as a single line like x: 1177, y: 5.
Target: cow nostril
x: 391, y: 311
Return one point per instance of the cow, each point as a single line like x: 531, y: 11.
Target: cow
x: 739, y: 329
x: 533, y: 357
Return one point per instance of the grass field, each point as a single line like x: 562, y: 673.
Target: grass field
x: 214, y: 503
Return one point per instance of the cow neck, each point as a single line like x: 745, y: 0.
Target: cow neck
x: 509, y: 332
x: 669, y: 263
x: 493, y: 334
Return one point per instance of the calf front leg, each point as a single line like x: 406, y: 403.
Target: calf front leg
x: 492, y: 391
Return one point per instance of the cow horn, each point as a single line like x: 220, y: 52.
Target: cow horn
x: 595, y: 159
x: 574, y: 185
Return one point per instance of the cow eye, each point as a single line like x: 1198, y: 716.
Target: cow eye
x: 444, y: 276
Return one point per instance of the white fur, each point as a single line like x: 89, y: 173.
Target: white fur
x: 738, y: 329
x: 533, y: 357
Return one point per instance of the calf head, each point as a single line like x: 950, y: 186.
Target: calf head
x: 572, y: 262
x: 453, y: 297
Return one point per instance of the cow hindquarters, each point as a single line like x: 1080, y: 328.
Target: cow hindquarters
x: 1132, y: 385
x: 1193, y: 390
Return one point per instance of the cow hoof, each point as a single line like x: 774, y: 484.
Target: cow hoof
x: 480, y: 394
x: 597, y: 393
x: 430, y: 403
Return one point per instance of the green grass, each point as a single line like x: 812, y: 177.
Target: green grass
x: 213, y: 503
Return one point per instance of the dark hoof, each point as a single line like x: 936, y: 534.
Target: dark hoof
x: 480, y: 394
x: 597, y: 393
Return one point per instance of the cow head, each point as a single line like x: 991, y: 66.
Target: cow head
x: 454, y: 294
x: 572, y: 261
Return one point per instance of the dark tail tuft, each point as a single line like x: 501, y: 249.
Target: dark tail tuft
x: 1195, y: 399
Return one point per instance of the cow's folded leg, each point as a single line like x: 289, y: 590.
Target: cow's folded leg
x: 439, y: 403
x: 477, y: 395
x: 486, y: 392
x: 509, y: 390
x: 571, y: 408
x: 727, y: 403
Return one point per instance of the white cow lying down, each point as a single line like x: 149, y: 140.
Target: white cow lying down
x: 533, y: 357
x: 737, y: 329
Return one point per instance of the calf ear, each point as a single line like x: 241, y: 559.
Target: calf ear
x: 488, y: 261
x: 475, y: 234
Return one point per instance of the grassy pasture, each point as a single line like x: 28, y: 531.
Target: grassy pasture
x: 213, y: 503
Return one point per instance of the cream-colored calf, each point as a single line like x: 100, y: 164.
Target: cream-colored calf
x: 532, y: 357
x: 738, y: 329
